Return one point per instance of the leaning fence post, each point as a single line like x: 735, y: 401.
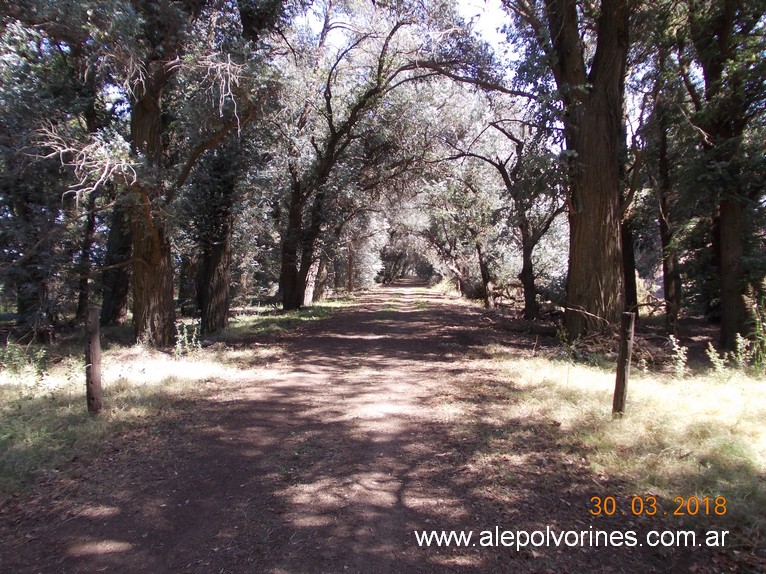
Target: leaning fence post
x: 623, y: 364
x: 93, y: 361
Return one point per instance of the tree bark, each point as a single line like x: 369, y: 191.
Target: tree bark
x: 311, y: 284
x: 116, y: 278
x: 527, y: 278
x: 595, y: 296
x: 288, y: 277
x: 486, y: 277
x: 592, y: 122
x: 153, y: 302
x: 154, y: 316
x: 213, y: 289
x: 734, y: 312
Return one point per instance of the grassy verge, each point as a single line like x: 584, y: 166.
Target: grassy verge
x: 266, y: 321
x: 697, y: 435
x: 43, y: 418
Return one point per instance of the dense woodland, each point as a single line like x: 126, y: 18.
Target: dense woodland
x: 170, y: 158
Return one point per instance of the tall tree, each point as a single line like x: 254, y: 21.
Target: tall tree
x: 725, y: 41
x: 586, y: 51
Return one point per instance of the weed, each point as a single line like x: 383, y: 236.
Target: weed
x: 187, y: 340
x: 678, y: 356
x: 16, y: 358
x: 719, y: 362
x: 759, y: 337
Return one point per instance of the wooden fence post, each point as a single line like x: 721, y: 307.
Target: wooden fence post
x: 93, y: 389
x: 623, y: 364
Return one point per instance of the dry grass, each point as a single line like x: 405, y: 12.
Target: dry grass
x: 693, y: 436
x: 43, y: 418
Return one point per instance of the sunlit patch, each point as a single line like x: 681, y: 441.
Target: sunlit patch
x: 99, y: 547
x: 380, y: 409
x: 100, y: 511
x: 312, y: 521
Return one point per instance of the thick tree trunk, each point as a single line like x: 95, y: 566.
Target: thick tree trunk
x: 734, y: 313
x: 153, y: 301
x: 116, y: 278
x: 592, y: 121
x: 213, y: 289
x: 154, y: 317
x: 595, y: 295
x: 288, y: 277
x: 527, y: 278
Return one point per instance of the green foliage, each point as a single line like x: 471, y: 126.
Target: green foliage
x: 187, y: 340
x: 748, y: 354
x: 759, y: 337
x: 678, y: 357
x: 17, y: 358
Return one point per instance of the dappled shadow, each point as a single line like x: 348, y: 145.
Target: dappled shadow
x: 329, y: 462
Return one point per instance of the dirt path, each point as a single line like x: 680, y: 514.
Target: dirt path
x: 328, y: 460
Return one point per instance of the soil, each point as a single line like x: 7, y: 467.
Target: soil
x: 329, y: 459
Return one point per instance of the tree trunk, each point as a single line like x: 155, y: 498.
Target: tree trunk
x: 83, y: 280
x: 592, y: 121
x: 595, y: 296
x: 288, y: 277
x: 486, y: 278
x: 213, y: 289
x: 320, y: 286
x: 188, y: 281
x: 671, y: 276
x: 350, y: 268
x: 153, y: 303
x: 629, y: 267
x: 527, y: 278
x: 116, y: 278
x: 311, y: 284
x: 734, y: 313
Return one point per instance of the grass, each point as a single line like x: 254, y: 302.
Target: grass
x: 43, y: 419
x: 690, y: 436
x: 267, y: 321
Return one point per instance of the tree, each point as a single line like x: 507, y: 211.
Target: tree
x: 532, y: 180
x: 725, y: 41
x: 591, y: 91
x: 340, y: 77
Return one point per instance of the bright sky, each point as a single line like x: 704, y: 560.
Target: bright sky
x: 488, y: 16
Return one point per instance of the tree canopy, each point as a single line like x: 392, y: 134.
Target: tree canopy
x: 183, y: 156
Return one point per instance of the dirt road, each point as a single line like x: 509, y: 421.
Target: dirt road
x: 328, y: 460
